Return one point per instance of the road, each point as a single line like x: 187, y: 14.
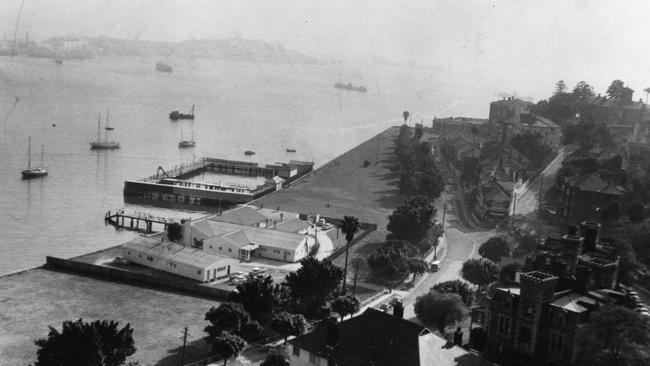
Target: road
x: 528, y: 195
x: 462, y: 244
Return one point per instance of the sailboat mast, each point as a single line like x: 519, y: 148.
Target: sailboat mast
x: 29, y: 153
x: 99, y: 121
x: 20, y: 12
x: 192, y: 110
x: 42, y: 153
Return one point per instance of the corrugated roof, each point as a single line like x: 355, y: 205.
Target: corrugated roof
x: 175, y: 252
x: 243, y: 215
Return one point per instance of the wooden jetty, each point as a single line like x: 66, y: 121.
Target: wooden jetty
x: 131, y: 220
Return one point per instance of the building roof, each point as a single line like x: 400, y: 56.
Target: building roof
x: 175, y: 252
x: 511, y: 290
x: 242, y: 215
x: 436, y: 351
x: 514, y: 102
x: 372, y: 336
x: 594, y: 183
x: 615, y: 103
x: 492, y: 190
x: 253, y: 235
x: 574, y: 302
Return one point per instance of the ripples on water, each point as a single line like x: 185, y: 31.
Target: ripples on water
x: 239, y: 106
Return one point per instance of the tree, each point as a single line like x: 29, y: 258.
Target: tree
x: 405, y: 115
x: 495, y: 248
x: 636, y: 211
x: 479, y: 271
x: 313, y: 283
x: 417, y: 266
x: 251, y: 331
x: 615, y: 89
x: 256, y: 296
x: 227, y: 345
x: 412, y: 219
x: 346, y: 305
x: 431, y: 183
x: 228, y: 317
x: 79, y: 343
x: 639, y: 238
x: 461, y: 288
x: 276, y: 357
x: 508, y: 272
x: 532, y: 146
x: 647, y: 91
x: 174, y: 231
x: 358, y: 264
x: 288, y: 324
x: 349, y: 226
x: 392, y: 257
x: 419, y: 132
x: 611, y: 335
x: 583, y: 92
x: 560, y: 87
x: 439, y: 311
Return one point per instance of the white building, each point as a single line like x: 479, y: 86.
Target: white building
x: 245, y: 242
x: 178, y: 259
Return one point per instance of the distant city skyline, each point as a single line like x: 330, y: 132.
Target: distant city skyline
x: 533, y: 42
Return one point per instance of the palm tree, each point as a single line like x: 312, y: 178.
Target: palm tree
x: 647, y: 91
x: 405, y: 115
x: 349, y: 227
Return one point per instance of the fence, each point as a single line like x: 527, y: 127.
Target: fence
x: 119, y: 275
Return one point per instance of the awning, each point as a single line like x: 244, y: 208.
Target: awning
x: 249, y: 247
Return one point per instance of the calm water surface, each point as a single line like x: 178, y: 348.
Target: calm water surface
x: 239, y: 106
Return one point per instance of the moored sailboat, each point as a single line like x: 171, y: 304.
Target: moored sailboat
x: 105, y: 143
x: 187, y: 143
x: 30, y: 172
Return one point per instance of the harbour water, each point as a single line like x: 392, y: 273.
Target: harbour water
x: 241, y: 106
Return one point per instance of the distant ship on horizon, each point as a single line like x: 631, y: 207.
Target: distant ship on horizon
x: 360, y: 89
x: 163, y: 67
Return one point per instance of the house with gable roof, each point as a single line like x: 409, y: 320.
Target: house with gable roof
x: 380, y: 339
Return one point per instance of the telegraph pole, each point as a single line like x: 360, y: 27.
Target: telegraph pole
x: 541, y: 193
x: 514, y: 202
x: 183, y: 349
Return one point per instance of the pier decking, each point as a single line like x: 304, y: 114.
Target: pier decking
x: 131, y: 220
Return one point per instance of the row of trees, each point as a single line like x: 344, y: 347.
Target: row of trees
x: 415, y: 164
x: 412, y: 233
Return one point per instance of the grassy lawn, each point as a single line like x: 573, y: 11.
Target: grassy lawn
x: 33, y: 300
x: 344, y: 187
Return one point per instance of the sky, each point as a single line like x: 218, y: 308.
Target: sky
x: 542, y: 41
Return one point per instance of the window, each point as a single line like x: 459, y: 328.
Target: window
x: 150, y: 258
x: 504, y: 324
x: 198, y: 272
x: 312, y: 357
x: 296, y: 350
x: 229, y: 249
x: 129, y: 252
x: 557, y: 342
x: 220, y: 248
x: 525, y: 335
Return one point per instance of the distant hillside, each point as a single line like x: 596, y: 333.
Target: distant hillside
x: 235, y: 49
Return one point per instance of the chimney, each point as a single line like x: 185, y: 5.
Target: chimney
x: 589, y: 231
x: 332, y: 332
x: 458, y: 337
x: 398, y: 310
